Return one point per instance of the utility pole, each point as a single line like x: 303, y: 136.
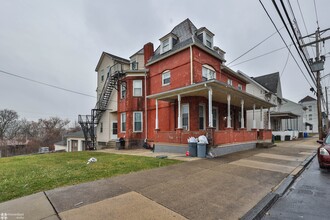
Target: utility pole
x: 317, y: 66
x: 327, y: 106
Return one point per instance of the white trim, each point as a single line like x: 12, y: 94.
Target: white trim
x: 136, y: 81
x: 134, y: 121
x: 121, y: 90
x: 121, y: 122
x: 187, y: 126
x: 166, y: 72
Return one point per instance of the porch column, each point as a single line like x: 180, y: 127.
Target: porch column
x: 242, y: 113
x: 179, y: 112
x: 254, y: 125
x: 210, y: 109
x: 261, y: 118
x: 269, y: 125
x: 156, y: 125
x: 228, y: 112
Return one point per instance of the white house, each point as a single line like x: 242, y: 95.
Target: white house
x: 309, y: 105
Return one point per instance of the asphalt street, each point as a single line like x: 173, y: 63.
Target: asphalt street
x: 307, y: 198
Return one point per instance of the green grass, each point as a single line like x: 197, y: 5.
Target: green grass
x: 25, y: 175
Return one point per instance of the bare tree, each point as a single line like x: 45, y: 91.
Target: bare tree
x: 8, y: 124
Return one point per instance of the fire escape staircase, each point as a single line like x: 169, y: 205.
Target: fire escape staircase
x: 88, y: 123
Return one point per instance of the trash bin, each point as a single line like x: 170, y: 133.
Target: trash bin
x: 120, y: 144
x: 305, y: 134
x: 192, y: 149
x: 201, y: 150
x: 273, y: 139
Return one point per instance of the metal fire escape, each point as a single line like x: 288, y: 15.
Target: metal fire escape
x: 88, y: 123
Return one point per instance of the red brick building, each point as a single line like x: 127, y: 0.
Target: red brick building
x: 185, y: 90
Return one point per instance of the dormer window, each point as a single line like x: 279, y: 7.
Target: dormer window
x: 206, y: 37
x: 166, y: 42
x: 166, y: 45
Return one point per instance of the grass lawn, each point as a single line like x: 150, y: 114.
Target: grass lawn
x: 25, y: 175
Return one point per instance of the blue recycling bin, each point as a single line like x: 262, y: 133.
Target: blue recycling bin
x: 305, y: 134
x: 192, y: 149
x: 201, y: 150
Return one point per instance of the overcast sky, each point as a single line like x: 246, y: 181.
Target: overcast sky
x: 59, y: 42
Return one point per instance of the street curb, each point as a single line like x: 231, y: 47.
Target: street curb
x: 259, y: 210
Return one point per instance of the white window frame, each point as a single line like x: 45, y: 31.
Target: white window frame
x: 310, y: 117
x: 230, y: 82
x: 240, y: 87
x: 135, y: 86
x: 102, y: 75
x: 123, y: 88
x: 166, y: 75
x: 122, y: 121
x: 204, y: 121
x: 208, y: 40
x: 134, y: 129
x: 185, y: 127
x: 208, y: 72
x: 166, y: 45
x: 134, y: 64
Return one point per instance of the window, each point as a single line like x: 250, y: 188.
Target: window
x: 102, y: 75
x: 166, y: 45
x: 166, y: 78
x: 123, y: 90
x: 215, y: 121
x: 108, y: 71
x: 310, y: 117
x: 134, y: 65
x: 310, y: 108
x: 240, y: 87
x: 201, y: 117
x: 137, y: 87
x: 208, y: 40
x: 101, y: 127
x: 123, y: 122
x: 207, y: 73
x: 185, y: 116
x: 230, y: 82
x: 137, y: 121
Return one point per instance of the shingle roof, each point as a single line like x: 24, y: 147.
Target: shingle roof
x: 307, y: 99
x: 186, y: 35
x: 269, y: 81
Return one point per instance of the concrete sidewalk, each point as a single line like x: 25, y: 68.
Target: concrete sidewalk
x: 221, y: 188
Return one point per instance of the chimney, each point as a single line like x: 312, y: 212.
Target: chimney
x: 148, y: 50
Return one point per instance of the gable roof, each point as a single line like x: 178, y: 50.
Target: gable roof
x: 307, y: 99
x: 269, y: 81
x: 114, y: 57
x: 185, y: 34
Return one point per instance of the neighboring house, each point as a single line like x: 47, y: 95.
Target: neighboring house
x: 74, y: 141
x: 310, y: 114
x: 179, y: 90
x: 292, y: 123
x: 10, y: 148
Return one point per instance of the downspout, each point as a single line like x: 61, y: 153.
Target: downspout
x: 145, y: 106
x: 191, y: 62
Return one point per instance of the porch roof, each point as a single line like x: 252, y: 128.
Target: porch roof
x: 283, y: 115
x: 220, y: 91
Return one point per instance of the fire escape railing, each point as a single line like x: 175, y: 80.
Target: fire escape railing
x: 88, y: 123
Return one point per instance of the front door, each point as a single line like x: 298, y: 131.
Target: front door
x: 114, y: 130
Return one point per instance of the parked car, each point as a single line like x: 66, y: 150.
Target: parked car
x: 323, y: 152
x: 43, y: 150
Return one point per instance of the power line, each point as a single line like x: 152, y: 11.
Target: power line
x: 286, y: 62
x: 254, y: 47
x: 262, y: 55
x: 292, y: 28
x: 45, y: 84
x: 284, y: 42
x: 302, y: 16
